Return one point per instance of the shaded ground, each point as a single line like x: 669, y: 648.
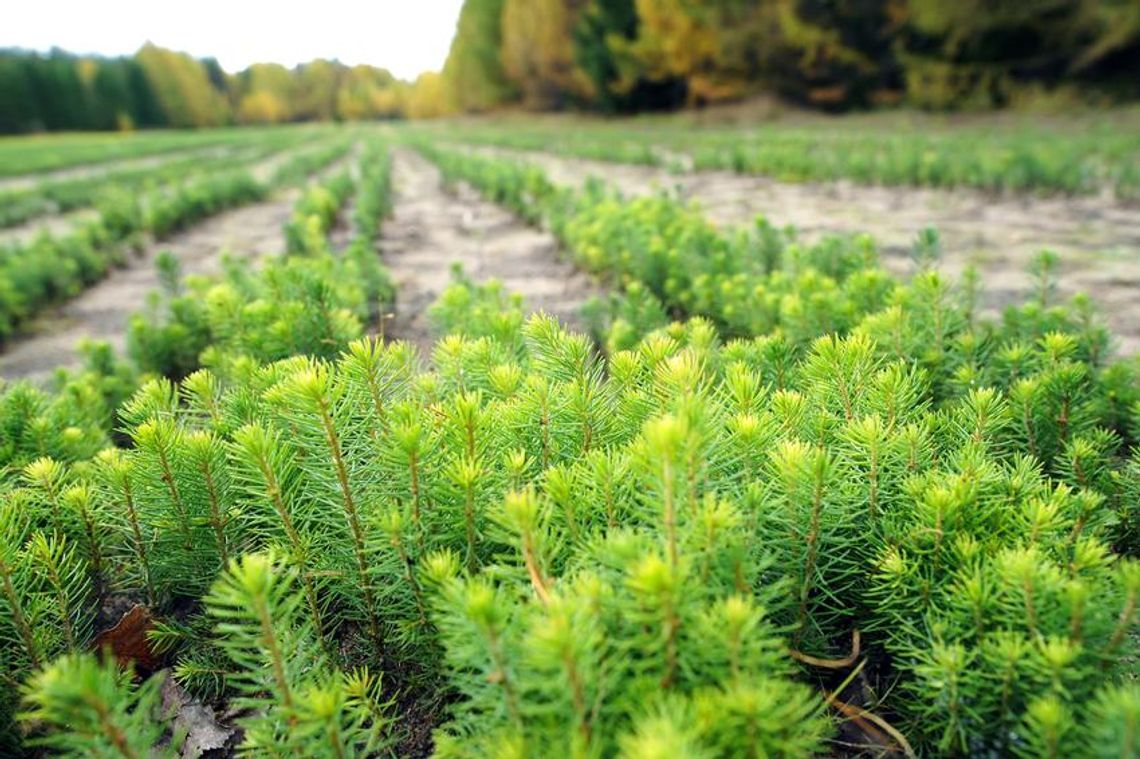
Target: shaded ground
x: 103, y: 311
x: 1097, y: 238
x: 431, y: 229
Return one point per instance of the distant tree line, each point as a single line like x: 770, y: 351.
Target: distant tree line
x: 631, y: 55
x: 162, y: 88
x: 620, y: 56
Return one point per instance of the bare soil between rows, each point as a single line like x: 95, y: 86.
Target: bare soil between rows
x: 52, y: 223
x: 90, y: 170
x: 431, y: 229
x: 103, y: 311
x: 1097, y: 238
x: 55, y: 223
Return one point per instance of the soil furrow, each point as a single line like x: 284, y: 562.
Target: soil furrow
x: 89, y: 170
x: 103, y: 311
x: 55, y: 223
x: 1097, y: 238
x: 431, y: 230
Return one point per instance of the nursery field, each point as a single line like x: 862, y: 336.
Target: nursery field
x: 645, y: 438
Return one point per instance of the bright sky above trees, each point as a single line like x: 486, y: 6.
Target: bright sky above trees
x: 407, y: 37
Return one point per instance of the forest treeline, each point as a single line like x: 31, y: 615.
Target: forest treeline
x: 621, y: 56
x: 632, y: 55
x: 162, y: 88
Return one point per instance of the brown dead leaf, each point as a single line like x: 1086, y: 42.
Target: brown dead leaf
x: 127, y: 640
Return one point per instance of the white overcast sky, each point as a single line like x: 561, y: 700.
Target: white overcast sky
x: 407, y: 37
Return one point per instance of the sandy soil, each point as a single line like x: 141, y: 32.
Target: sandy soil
x: 102, y: 312
x: 62, y: 223
x: 432, y: 229
x: 264, y: 170
x: 53, y: 223
x: 88, y: 170
x: 1097, y: 238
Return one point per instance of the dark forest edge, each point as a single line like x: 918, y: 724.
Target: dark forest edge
x: 627, y: 56
x: 637, y: 55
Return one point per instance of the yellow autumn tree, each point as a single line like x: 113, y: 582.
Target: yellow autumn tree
x: 265, y: 94
x: 261, y: 107
x: 315, y: 86
x: 428, y: 98
x: 392, y: 102
x: 538, y: 51
x: 368, y: 93
x: 675, y: 40
x: 473, y: 72
x: 183, y: 88
x: 748, y: 41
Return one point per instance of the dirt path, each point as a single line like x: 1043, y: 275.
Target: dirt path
x: 431, y: 229
x: 102, y: 312
x: 1098, y: 239
x: 54, y: 224
x: 89, y: 170
x: 264, y: 170
x: 62, y: 223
